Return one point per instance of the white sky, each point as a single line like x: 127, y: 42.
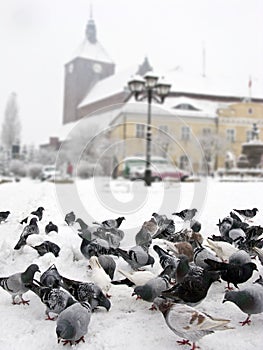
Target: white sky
x: 38, y: 36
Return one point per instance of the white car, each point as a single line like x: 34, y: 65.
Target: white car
x: 49, y: 172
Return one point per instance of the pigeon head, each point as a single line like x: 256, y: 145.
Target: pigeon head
x: 145, y: 292
x: 28, y: 275
x: 65, y: 330
x: 40, y: 209
x: 33, y: 221
x: 231, y: 295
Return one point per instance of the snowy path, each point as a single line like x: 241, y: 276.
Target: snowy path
x: 129, y: 324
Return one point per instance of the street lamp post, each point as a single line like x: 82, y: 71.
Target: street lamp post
x: 149, y: 88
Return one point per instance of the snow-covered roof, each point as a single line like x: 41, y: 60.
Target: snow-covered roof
x: 181, y: 82
x: 95, y: 123
x: 93, y: 51
x: 214, y: 85
x: 109, y: 86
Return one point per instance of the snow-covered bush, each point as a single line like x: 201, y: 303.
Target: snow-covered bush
x: 34, y: 171
x: 18, y: 168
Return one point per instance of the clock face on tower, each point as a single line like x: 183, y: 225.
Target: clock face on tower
x: 97, y: 67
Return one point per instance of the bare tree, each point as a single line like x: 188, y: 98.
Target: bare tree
x: 11, y: 127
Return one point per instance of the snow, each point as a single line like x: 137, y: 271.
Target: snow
x: 129, y: 324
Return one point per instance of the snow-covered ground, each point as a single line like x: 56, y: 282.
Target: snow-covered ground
x: 129, y: 324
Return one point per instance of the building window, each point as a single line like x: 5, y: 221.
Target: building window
x: 140, y: 130
x: 206, y: 131
x: 231, y: 135
x: 184, y: 162
x: 185, y: 133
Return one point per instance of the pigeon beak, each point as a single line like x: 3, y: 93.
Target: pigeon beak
x: 133, y: 294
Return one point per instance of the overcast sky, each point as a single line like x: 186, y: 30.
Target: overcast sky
x: 38, y: 36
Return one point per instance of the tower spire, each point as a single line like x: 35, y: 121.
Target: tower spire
x: 91, y: 31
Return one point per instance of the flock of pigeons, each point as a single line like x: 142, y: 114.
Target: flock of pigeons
x: 188, y: 266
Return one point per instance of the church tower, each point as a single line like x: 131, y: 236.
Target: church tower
x: 89, y: 64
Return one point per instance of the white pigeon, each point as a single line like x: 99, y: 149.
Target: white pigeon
x: 188, y: 323
x: 98, y: 275
x: 222, y: 249
x: 139, y: 278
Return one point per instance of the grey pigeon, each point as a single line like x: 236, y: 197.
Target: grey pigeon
x: 56, y: 300
x: 70, y: 218
x: 82, y: 224
x: 111, y: 223
x: 16, y: 283
x: 200, y: 254
x: 247, y: 213
x: 4, y: 215
x: 155, y: 286
x: 38, y: 213
x: 96, y: 246
x: 108, y: 264
x: 51, y: 227
x: 86, y: 291
x: 249, y: 300
x: 73, y: 322
x: 240, y: 257
x: 51, y: 278
x: 186, y: 214
x: 47, y: 247
x: 28, y: 230
x: 189, y: 323
x: 136, y: 256
x: 166, y: 259
x: 146, y: 232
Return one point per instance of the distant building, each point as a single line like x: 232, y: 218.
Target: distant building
x: 203, y: 118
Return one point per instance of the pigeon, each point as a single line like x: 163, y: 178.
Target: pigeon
x: 56, y: 300
x: 225, y: 226
x: 237, y: 222
x: 47, y: 247
x: 73, y: 322
x: 155, y: 286
x: 189, y: 323
x: 166, y: 226
x: 186, y: 214
x: 70, y: 218
x: 181, y: 248
x: 134, y: 278
x: 51, y: 227
x: 195, y: 225
x: 249, y: 300
x: 240, y: 257
x: 28, y: 230
x: 247, y: 213
x: 4, y: 215
x: 160, y: 219
x: 136, y: 257
x: 82, y: 224
x: 86, y: 291
x: 51, y: 278
x: 16, y: 283
x: 38, y: 213
x: 165, y: 258
x: 233, y: 273
x: 222, y: 249
x: 112, y: 235
x: 108, y: 264
x: 111, y: 223
x: 98, y: 275
x: 96, y: 246
x: 193, y: 287
x: 24, y: 221
x: 144, y: 236
x: 253, y: 232
x: 200, y: 254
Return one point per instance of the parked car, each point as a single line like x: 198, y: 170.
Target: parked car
x: 161, y: 169
x: 49, y: 172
